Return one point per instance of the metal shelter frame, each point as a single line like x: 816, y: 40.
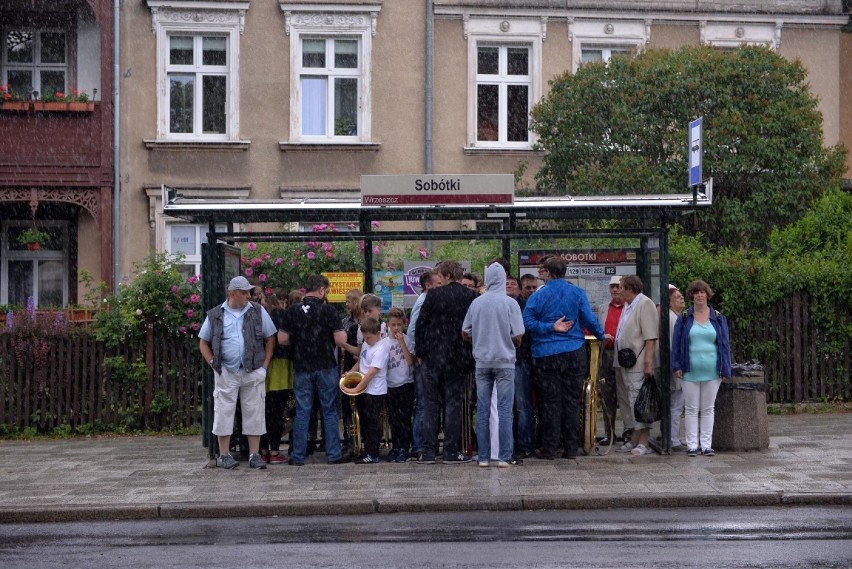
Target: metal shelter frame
x: 654, y: 214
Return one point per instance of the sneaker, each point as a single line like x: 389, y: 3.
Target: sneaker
x: 265, y: 457
x: 401, y: 457
x: 626, y: 447
x: 256, y: 462
x: 511, y: 462
x: 708, y: 452
x: 367, y: 459
x: 641, y: 450
x: 394, y: 452
x: 692, y: 452
x: 542, y: 454
x: 344, y: 459
x: 276, y: 458
x: 292, y: 462
x: 458, y: 458
x: 425, y: 458
x: 227, y: 462
x: 483, y: 463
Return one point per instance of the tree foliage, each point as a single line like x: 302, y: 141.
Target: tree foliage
x: 622, y: 128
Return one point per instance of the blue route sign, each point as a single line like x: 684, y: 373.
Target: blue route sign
x: 696, y: 151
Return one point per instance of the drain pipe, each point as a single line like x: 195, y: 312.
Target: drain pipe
x: 116, y: 190
x: 430, y: 54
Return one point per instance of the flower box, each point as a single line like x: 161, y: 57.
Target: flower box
x: 50, y: 106
x: 15, y: 106
x: 81, y: 107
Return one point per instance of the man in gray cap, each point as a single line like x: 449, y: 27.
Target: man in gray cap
x: 611, y: 389
x: 237, y: 340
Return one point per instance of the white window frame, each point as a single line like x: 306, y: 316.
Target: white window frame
x: 331, y: 22
x: 632, y: 35
x: 33, y: 256
x: 606, y: 50
x: 502, y: 80
x: 36, y: 66
x: 725, y: 35
x: 200, y: 238
x: 188, y: 18
x: 502, y: 32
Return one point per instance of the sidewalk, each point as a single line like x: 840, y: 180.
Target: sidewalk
x: 809, y: 462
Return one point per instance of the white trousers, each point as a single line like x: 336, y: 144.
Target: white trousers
x: 700, y: 399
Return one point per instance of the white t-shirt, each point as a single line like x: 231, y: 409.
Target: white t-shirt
x: 375, y: 356
x: 399, y: 372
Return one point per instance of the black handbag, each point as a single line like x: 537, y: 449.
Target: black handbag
x: 627, y: 357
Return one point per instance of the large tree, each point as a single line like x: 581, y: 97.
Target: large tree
x: 621, y: 128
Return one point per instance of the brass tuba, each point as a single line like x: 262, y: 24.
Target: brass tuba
x: 590, y: 397
x: 352, y: 384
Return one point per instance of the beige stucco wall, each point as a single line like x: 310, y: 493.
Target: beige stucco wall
x: 398, y: 116
x: 845, y: 74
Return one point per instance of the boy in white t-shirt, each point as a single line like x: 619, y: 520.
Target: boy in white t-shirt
x: 373, y: 363
x: 400, y: 400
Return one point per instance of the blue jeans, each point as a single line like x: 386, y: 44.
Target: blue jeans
x: 416, y: 435
x: 324, y: 382
x: 486, y: 379
x: 523, y: 407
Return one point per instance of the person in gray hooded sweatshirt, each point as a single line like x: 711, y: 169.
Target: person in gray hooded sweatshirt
x: 494, y: 325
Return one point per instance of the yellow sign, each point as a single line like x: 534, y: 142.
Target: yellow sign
x: 341, y: 283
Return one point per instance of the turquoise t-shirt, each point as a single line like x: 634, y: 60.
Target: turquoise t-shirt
x: 702, y: 353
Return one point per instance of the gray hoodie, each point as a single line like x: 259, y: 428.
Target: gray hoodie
x: 492, y: 320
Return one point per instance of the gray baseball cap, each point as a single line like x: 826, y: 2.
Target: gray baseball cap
x: 239, y: 283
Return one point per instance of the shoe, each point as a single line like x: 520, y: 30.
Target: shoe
x: 569, y: 455
x: 227, y: 462
x: 401, y: 457
x: 677, y: 447
x: 367, y: 459
x: 525, y: 453
x: 604, y: 442
x: 708, y: 452
x: 256, y: 462
x: 265, y: 457
x: 692, y: 452
x: 344, y: 459
x: 483, y: 464
x: 276, y: 458
x: 626, y: 447
x: 641, y: 450
x: 542, y: 454
x: 292, y: 462
x: 511, y: 462
x: 458, y: 458
x: 426, y: 458
x: 394, y: 452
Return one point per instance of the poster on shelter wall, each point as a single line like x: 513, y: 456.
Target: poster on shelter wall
x: 388, y: 285
x: 413, y: 270
x: 590, y: 269
x: 341, y: 283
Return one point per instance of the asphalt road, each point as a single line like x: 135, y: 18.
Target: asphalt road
x: 708, y: 537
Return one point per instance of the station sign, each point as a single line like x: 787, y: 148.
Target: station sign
x: 438, y: 189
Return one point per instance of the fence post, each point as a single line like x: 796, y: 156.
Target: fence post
x: 149, y: 365
x: 797, y: 347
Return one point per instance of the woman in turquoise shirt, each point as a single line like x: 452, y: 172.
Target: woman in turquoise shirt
x: 701, y: 356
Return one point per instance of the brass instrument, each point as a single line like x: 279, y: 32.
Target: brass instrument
x: 352, y: 384
x: 590, y: 398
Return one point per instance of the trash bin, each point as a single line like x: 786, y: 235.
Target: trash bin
x: 740, y: 414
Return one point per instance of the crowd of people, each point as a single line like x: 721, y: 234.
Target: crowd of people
x: 522, y: 341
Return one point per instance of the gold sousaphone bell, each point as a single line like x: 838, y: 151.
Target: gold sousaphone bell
x: 352, y: 383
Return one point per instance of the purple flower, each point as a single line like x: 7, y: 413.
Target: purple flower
x: 261, y: 277
x: 376, y: 249
x: 320, y: 227
x: 194, y: 299
x: 267, y: 291
x: 182, y: 329
x: 376, y: 223
x: 252, y: 246
x: 186, y: 300
x: 175, y: 289
x: 196, y: 326
x: 189, y: 313
x: 248, y: 272
x: 278, y: 261
x: 311, y: 255
x: 423, y: 252
x: 329, y: 254
x: 326, y: 246
x: 294, y: 262
x: 351, y: 226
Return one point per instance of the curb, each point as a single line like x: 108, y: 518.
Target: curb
x: 202, y: 510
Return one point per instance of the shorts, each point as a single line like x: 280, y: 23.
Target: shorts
x: 250, y: 387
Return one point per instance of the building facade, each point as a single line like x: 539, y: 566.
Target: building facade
x: 56, y: 160
x: 295, y: 99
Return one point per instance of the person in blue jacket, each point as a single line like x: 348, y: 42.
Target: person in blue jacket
x: 701, y: 356
x: 555, y: 316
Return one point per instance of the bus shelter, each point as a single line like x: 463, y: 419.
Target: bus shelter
x: 648, y: 218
